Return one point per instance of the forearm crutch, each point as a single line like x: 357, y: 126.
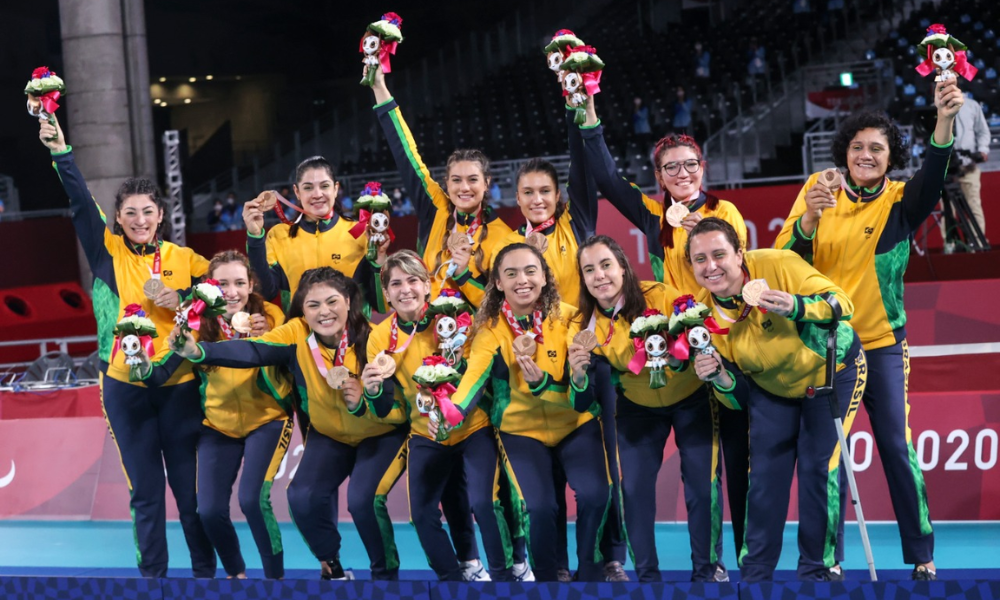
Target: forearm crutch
x: 828, y: 391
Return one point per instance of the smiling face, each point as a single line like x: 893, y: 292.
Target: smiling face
x: 139, y: 217
x: 235, y: 284
x: 537, y: 195
x: 943, y: 58
x: 868, y: 157
x: 717, y: 265
x: 683, y: 185
x: 316, y: 191
x: 325, y: 311
x: 602, y: 274
x: 466, y: 185
x: 407, y: 293
x: 521, y: 279
x: 371, y: 44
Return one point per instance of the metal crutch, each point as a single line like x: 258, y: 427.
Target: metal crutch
x: 828, y: 391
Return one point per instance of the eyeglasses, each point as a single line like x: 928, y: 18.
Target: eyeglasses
x: 673, y: 168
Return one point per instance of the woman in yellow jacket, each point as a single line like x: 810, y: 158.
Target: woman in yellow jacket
x: 543, y: 403
x: 611, y: 298
x: 770, y: 357
x: 247, y: 421
x: 324, y: 345
x: 151, y: 427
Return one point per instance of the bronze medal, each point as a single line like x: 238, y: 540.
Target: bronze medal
x: 336, y: 376
x: 676, y: 214
x: 831, y: 179
x: 459, y: 241
x: 152, y: 288
x: 241, y: 323
x: 385, y: 364
x: 587, y: 339
x: 524, y: 345
x: 752, y: 291
x: 538, y: 241
x: 267, y: 200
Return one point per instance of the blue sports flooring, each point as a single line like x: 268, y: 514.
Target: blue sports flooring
x: 105, y: 549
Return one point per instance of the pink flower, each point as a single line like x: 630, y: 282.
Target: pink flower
x: 372, y: 188
x: 651, y: 312
x: 937, y: 28
x: 393, y: 18
x: 41, y: 73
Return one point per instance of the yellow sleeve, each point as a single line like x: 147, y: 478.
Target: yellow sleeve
x: 791, y: 237
x: 275, y: 314
x: 199, y: 264
x: 485, y: 347
x: 808, y: 285
x: 730, y: 214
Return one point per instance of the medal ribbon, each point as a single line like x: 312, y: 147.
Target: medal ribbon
x: 541, y: 227
x: 473, y: 227
x: 394, y: 332
x: 611, y: 327
x: 318, y: 354
x: 536, y: 317
x: 228, y: 331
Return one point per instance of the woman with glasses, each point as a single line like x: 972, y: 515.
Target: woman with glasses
x: 679, y: 170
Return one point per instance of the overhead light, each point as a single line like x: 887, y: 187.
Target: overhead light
x: 238, y: 77
x: 156, y: 100
x: 192, y: 79
x: 163, y: 79
x: 209, y: 77
x: 187, y: 101
x: 163, y: 104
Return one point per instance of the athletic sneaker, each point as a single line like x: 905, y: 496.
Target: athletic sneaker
x: 834, y: 573
x: 614, y: 571
x: 563, y: 576
x: 337, y: 572
x: 473, y: 570
x: 922, y: 573
x: 721, y: 575
x: 522, y: 572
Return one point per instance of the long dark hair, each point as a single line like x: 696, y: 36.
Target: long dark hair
x: 674, y: 140
x: 635, y: 299
x: 540, y: 165
x: 137, y: 186
x: 358, y: 327
x: 475, y: 156
x: 210, y: 330
x: 316, y: 162
x: 489, y: 310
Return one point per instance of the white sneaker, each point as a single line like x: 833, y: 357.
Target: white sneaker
x: 473, y: 570
x: 522, y: 572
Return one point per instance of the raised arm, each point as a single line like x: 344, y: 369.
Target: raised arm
x: 581, y: 187
x: 270, y: 276
x: 921, y: 194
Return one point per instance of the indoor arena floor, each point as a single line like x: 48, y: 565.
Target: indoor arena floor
x: 963, y: 550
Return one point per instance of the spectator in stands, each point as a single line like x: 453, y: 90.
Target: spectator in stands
x: 679, y: 168
x: 640, y: 124
x: 232, y: 209
x: 152, y: 428
x: 756, y: 64
x: 863, y: 246
x: 344, y: 198
x: 219, y: 219
x: 702, y: 62
x: 972, y: 138
x: 496, y: 194
x: 402, y: 206
x: 682, y: 112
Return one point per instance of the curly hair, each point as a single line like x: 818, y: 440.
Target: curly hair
x: 358, y: 327
x: 899, y: 149
x: 485, y: 212
x: 489, y: 311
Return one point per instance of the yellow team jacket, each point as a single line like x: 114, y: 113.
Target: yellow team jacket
x: 561, y: 255
x: 287, y: 346
x: 620, y: 350
x: 783, y: 355
x: 669, y: 264
x: 407, y: 362
x: 864, y: 246
x: 545, y: 413
x: 433, y: 210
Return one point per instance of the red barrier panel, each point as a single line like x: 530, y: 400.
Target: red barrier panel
x: 43, y: 311
x: 69, y: 402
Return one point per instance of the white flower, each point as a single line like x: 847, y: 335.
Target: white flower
x: 389, y: 30
x: 657, y: 321
x: 210, y: 292
x: 447, y: 301
x: 638, y: 325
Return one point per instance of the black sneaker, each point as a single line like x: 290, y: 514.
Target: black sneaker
x: 614, y: 571
x: 834, y: 573
x: 721, y: 575
x: 563, y: 576
x: 922, y: 573
x: 336, y: 573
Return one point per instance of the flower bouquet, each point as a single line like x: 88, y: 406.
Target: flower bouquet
x: 378, y: 43
x: 43, y: 92
x: 436, y: 381
x: 582, y: 79
x: 944, y: 54
x: 691, y: 326
x: 134, y: 336
x: 648, y: 334
x: 454, y: 317
x: 373, y: 218
x: 557, y: 50
x: 207, y: 300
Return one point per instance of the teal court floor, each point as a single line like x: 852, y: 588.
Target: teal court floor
x: 963, y: 550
